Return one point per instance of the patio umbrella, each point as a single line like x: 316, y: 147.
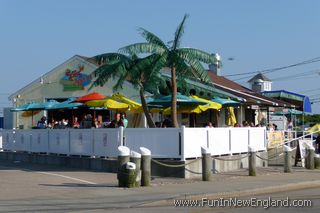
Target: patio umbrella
x: 23, y: 107
x: 231, y: 120
x: 314, y: 128
x: 289, y: 112
x: 195, y: 108
x: 182, y: 100
x: 68, y: 104
x: 34, y: 107
x: 225, y: 102
x: 108, y: 103
x: 90, y: 97
x: 133, y: 105
x: 209, y: 105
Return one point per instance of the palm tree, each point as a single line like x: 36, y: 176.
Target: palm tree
x: 141, y: 72
x: 181, y: 61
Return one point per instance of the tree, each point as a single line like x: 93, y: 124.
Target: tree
x: 183, y: 62
x: 141, y: 72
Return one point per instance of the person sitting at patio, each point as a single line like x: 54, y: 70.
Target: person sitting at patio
x: 113, y: 124
x: 124, y: 120
x: 87, y: 122
x: 42, y: 123
x: 209, y: 125
x: 237, y: 125
x: 76, y: 123
x: 107, y: 122
x: 158, y: 124
x: 167, y: 123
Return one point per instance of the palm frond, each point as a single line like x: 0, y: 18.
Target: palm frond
x: 109, y: 58
x: 139, y: 48
x: 192, y: 69
x: 179, y: 33
x: 152, y: 38
x: 191, y: 53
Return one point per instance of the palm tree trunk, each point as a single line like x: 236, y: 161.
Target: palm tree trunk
x: 174, y: 98
x: 145, y: 109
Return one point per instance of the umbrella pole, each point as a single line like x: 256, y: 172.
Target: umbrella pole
x: 31, y: 118
x: 72, y: 116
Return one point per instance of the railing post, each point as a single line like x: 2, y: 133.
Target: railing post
x: 135, y: 157
x: 287, y: 159
x: 206, y: 164
x: 252, y: 162
x: 183, y: 129
x: 145, y: 166
x: 309, y: 161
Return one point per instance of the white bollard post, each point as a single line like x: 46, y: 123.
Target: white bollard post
x: 145, y: 166
x: 206, y: 164
x: 135, y: 157
x: 310, y: 157
x: 123, y: 158
x: 252, y: 161
x: 287, y: 159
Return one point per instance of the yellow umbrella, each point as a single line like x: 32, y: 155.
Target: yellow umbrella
x: 195, y: 109
x: 231, y: 118
x: 133, y: 105
x: 210, y: 105
x: 314, y: 128
x: 109, y: 104
x: 183, y: 109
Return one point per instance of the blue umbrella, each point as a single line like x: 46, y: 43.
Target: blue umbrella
x: 225, y: 102
x: 66, y: 104
x: 182, y: 100
x: 23, y: 107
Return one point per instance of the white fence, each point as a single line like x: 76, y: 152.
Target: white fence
x: 178, y: 143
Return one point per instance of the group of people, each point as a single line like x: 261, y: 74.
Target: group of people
x: 87, y: 122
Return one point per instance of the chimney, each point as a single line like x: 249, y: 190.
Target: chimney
x: 215, y: 67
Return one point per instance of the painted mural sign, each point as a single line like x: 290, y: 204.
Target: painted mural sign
x: 75, y: 80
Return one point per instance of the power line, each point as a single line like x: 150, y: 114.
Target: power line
x: 309, y: 90
x: 303, y: 74
x: 314, y: 60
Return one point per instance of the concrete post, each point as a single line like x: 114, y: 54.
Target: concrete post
x: 123, y: 158
x: 317, y: 161
x: 135, y: 157
x: 252, y: 161
x: 309, y: 158
x: 287, y: 159
x: 206, y: 164
x: 145, y: 166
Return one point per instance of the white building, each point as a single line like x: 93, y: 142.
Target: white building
x: 260, y: 83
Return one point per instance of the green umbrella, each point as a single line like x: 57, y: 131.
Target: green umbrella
x: 182, y: 100
x: 289, y: 112
x: 225, y: 102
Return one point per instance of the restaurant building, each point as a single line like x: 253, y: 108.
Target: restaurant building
x: 72, y: 79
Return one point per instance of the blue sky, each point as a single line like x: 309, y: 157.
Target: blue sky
x: 38, y: 35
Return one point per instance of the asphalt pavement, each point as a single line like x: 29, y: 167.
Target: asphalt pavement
x: 43, y: 188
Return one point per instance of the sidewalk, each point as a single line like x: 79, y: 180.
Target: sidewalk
x: 237, y: 184
x: 39, y: 188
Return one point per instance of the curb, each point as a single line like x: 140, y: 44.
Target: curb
x: 241, y: 193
